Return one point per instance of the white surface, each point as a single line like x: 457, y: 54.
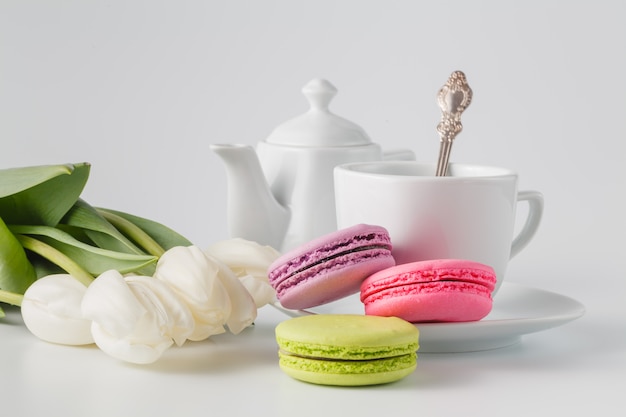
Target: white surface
x: 140, y: 89
x: 517, y: 310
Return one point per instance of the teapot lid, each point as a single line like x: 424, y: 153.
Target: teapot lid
x: 318, y: 127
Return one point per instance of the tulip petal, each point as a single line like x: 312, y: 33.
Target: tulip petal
x: 173, y: 316
x: 194, y: 278
x: 51, y: 310
x: 261, y: 291
x: 127, y: 348
x: 244, y: 257
x: 249, y: 261
x: 244, y: 309
x: 135, y: 318
x: 110, y: 302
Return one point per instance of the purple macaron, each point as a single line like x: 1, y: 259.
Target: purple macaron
x: 330, y: 267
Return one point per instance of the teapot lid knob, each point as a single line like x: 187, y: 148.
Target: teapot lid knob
x: 318, y: 127
x: 319, y: 92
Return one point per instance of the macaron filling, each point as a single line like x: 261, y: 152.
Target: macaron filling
x: 473, y: 280
x: 348, y: 367
x: 337, y: 352
x: 372, y: 244
x: 337, y: 255
x: 332, y: 263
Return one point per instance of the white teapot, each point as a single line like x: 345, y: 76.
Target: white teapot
x: 285, y: 196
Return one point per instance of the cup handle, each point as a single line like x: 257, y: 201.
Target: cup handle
x: 399, y: 155
x: 535, y: 212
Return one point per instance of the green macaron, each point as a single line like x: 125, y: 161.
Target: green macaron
x: 346, y: 349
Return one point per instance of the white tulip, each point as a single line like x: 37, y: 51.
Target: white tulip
x: 194, y: 278
x: 174, y: 317
x: 249, y: 261
x: 243, y: 308
x: 51, y: 310
x: 135, y: 318
x: 262, y: 292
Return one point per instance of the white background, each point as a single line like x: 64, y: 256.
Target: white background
x: 141, y: 88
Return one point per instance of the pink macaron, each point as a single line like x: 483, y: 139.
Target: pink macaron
x: 442, y: 290
x: 330, y: 267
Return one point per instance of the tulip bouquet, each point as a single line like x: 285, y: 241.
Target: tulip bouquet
x: 132, y: 286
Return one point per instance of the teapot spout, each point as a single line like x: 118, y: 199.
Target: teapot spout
x: 253, y: 212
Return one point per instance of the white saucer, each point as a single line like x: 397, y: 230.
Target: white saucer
x: 517, y: 310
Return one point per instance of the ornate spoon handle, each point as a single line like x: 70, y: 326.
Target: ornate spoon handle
x: 453, y: 99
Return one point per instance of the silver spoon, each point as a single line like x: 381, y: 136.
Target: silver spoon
x: 453, y: 99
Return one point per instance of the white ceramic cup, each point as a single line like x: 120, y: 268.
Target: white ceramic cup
x: 468, y: 214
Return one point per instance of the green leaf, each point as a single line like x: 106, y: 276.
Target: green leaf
x: 16, y: 272
x: 40, y: 194
x: 14, y: 180
x: 84, y: 219
x: 93, y: 259
x: 163, y: 235
x: 43, y: 267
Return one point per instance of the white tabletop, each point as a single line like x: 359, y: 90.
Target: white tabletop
x: 578, y: 367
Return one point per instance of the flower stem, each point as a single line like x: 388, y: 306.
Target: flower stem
x: 11, y: 298
x: 57, y: 257
x: 134, y: 232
